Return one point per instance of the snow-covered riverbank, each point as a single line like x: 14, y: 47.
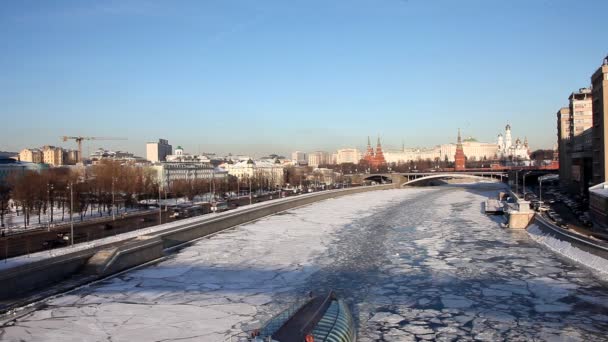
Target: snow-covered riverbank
x: 421, y: 263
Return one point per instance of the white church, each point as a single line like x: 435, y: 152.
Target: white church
x: 507, y: 149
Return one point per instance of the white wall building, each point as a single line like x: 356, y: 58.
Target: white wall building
x: 249, y: 169
x: 299, y: 157
x: 348, y: 155
x: 158, y: 151
x: 180, y: 156
x: 318, y: 158
x: 168, y: 172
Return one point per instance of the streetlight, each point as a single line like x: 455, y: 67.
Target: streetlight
x: 524, y: 185
x: 71, y: 213
x: 113, y: 205
x: 160, y: 208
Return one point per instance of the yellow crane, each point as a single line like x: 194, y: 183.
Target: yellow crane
x: 80, y: 139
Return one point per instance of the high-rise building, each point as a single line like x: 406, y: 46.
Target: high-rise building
x: 599, y: 84
x: 299, y: 158
x: 563, y: 135
x: 581, y: 113
x: 158, y: 151
x: 318, y: 158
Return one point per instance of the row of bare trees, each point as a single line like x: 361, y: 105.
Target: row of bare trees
x: 104, y: 187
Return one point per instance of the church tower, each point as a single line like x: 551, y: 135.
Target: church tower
x: 459, y: 158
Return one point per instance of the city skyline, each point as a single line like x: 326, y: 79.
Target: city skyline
x: 270, y: 78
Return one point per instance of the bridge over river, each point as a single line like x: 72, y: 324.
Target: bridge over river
x: 413, y: 263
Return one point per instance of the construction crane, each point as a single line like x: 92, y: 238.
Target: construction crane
x: 80, y: 139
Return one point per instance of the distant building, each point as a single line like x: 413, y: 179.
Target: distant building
x: 70, y: 157
x: 119, y: 156
x: 158, y: 151
x: 180, y: 156
x: 348, y: 155
x: 272, y: 171
x: 52, y: 155
x: 318, y: 158
x: 509, y: 150
x: 599, y: 84
x: 299, y: 158
x: 32, y: 155
x: 169, y: 172
x: 473, y: 150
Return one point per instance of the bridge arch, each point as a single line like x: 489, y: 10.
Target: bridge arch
x: 450, y: 175
x: 378, y: 178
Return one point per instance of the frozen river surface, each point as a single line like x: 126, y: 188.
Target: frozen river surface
x: 415, y: 264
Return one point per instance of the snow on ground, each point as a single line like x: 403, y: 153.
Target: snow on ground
x: 414, y: 264
x: 566, y: 249
x: 210, y: 287
x: 33, y: 257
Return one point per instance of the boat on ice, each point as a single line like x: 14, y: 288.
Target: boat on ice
x: 313, y: 319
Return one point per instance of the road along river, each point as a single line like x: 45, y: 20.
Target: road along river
x: 414, y: 264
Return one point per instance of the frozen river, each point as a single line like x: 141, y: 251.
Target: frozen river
x: 414, y: 264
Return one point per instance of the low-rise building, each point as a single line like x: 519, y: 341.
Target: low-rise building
x: 119, y: 156
x: 272, y: 171
x: 169, y: 172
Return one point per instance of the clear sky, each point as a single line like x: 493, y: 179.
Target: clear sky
x: 277, y: 76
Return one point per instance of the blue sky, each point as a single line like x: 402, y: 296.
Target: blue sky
x: 277, y: 76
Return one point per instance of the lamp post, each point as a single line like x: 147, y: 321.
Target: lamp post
x: 160, y: 208
x: 113, y: 205
x: 524, y: 185
x: 250, y: 199
x: 72, y: 214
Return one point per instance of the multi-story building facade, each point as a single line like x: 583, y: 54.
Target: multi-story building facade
x: 119, y: 156
x: 32, y: 155
x: 599, y: 84
x: 158, y: 151
x: 563, y: 136
x: 299, y: 158
x: 52, y: 155
x: 270, y: 170
x: 70, y: 157
x: 348, y: 155
x: 318, y: 158
x: 169, y: 172
x: 581, y: 113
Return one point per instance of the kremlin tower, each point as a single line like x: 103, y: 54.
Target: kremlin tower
x: 459, y: 158
x: 379, y: 157
x: 374, y: 159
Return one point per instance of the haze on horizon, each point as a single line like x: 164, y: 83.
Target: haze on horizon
x: 274, y: 77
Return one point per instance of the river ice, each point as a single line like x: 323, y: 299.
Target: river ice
x: 414, y: 264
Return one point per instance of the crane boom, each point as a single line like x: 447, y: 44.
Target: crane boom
x: 79, y: 140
